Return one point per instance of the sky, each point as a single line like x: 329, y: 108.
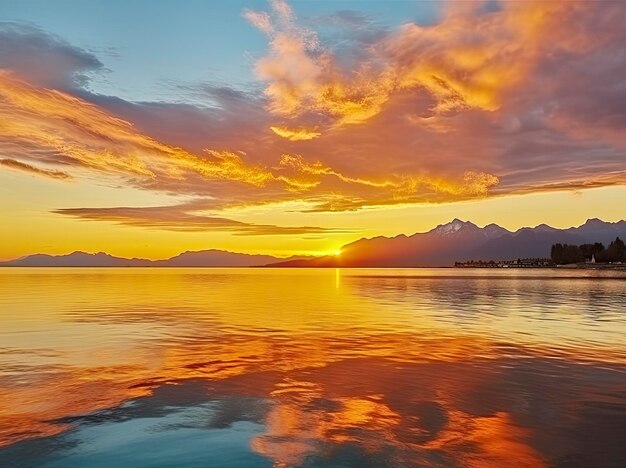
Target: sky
x: 148, y: 128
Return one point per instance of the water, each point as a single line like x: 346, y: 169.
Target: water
x: 264, y: 367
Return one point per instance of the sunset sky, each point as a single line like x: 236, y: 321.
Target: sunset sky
x: 148, y: 128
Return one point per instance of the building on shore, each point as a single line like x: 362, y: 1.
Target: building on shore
x: 519, y: 263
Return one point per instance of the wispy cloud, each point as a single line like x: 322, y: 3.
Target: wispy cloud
x: 21, y: 166
x: 187, y: 218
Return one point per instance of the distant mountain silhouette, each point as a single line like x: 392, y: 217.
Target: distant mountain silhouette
x: 442, y: 246
x: 202, y: 258
x: 461, y: 241
x: 217, y: 258
x: 77, y: 259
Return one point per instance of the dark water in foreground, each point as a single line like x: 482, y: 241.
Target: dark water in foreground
x: 343, y: 368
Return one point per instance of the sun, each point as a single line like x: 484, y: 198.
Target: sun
x: 336, y: 253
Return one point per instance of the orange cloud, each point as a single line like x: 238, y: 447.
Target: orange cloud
x: 81, y: 132
x: 86, y: 135
x: 301, y: 76
x: 456, y: 72
x: 295, y: 134
x: 57, y: 128
x: 473, y: 183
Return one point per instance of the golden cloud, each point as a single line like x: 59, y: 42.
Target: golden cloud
x: 456, y: 72
x: 295, y: 134
x: 82, y: 133
x: 66, y: 129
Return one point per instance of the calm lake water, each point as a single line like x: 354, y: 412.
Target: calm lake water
x: 342, y: 368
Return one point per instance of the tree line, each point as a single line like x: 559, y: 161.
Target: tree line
x: 566, y: 253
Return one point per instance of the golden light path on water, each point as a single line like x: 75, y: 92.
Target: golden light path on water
x: 401, y: 367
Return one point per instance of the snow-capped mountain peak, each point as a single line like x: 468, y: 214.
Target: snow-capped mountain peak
x: 452, y: 227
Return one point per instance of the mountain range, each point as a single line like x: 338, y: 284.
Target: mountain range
x: 442, y: 246
x: 462, y: 241
x: 202, y: 258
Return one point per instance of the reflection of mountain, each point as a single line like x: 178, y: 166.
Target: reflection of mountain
x: 460, y: 241
x: 202, y: 258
